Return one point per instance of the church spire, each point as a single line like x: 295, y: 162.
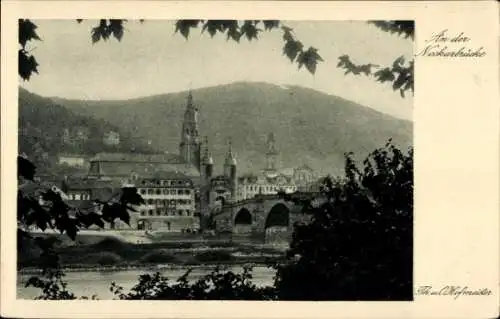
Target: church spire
x: 271, y: 144
x: 230, y: 158
x: 190, y: 146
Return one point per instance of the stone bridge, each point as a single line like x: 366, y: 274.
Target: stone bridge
x: 267, y: 217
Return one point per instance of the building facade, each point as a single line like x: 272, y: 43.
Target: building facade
x: 111, y: 138
x: 73, y: 160
x: 270, y: 181
x: 169, y: 203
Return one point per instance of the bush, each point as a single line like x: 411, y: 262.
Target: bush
x: 109, y: 244
x: 158, y: 256
x: 214, y: 256
x: 359, y: 244
x: 104, y: 258
x: 218, y: 285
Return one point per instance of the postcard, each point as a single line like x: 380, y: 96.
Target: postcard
x: 219, y: 159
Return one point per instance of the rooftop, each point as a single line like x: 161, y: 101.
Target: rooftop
x: 138, y: 158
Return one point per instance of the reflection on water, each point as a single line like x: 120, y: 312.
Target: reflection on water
x: 98, y: 283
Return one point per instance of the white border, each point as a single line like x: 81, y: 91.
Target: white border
x: 456, y: 174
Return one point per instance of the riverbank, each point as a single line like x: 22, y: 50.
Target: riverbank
x: 143, y: 267
x: 110, y: 254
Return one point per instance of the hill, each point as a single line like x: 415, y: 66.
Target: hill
x: 47, y: 129
x: 310, y: 127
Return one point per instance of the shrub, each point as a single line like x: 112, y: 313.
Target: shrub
x: 214, y: 256
x: 104, y: 258
x: 109, y: 244
x: 158, y: 256
x: 218, y: 285
x: 359, y: 243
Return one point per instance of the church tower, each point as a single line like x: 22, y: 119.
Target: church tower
x: 230, y: 170
x: 190, y: 146
x: 271, y: 154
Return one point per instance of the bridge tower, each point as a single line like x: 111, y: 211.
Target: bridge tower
x: 230, y: 170
x: 271, y: 154
x: 207, y: 164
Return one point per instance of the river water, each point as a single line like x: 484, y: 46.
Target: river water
x: 88, y: 283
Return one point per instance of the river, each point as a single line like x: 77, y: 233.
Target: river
x: 88, y: 283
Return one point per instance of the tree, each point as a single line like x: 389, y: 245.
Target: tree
x: 359, y: 243
x: 399, y: 74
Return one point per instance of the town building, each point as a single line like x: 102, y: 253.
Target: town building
x: 73, y: 160
x: 270, y: 181
x: 304, y: 177
x: 169, y: 203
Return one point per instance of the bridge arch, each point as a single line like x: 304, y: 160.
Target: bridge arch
x: 278, y: 216
x: 243, y: 217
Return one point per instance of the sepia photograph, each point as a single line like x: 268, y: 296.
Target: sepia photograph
x: 215, y: 160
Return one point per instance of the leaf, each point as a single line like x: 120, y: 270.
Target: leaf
x: 102, y: 31
x: 116, y: 28
x: 399, y: 82
x: 71, y: 228
x: 249, y: 30
x: 212, y: 26
x: 384, y: 75
x: 292, y: 49
x: 287, y: 34
x: 234, y: 34
x: 131, y: 196
x: 27, y: 32
x: 271, y: 24
x: 96, y: 35
x: 184, y: 26
x: 310, y: 59
x: 25, y: 168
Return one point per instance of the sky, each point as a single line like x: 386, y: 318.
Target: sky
x: 153, y: 59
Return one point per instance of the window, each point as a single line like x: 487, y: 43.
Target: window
x: 150, y: 202
x: 165, y: 191
x: 188, y: 213
x: 158, y: 191
x: 77, y: 196
x: 179, y: 212
x: 150, y: 191
x: 143, y: 213
x: 143, y: 191
x: 150, y: 212
x: 179, y: 192
x: 158, y: 212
